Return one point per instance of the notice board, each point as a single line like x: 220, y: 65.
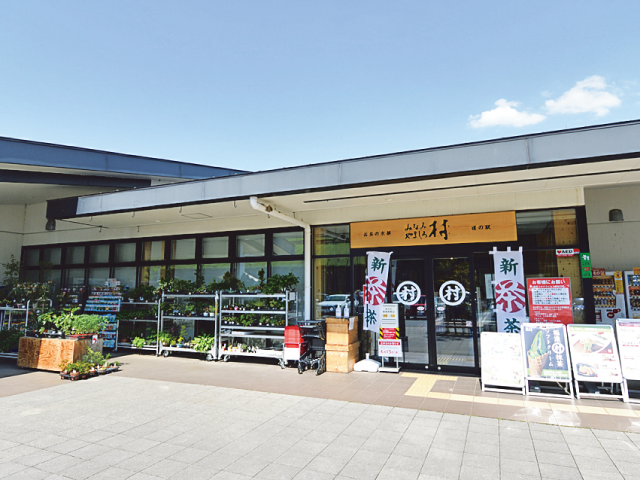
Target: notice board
x: 550, y: 300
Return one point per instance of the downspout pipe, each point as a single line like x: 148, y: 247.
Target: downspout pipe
x: 270, y: 210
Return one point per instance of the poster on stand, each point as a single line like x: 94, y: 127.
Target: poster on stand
x: 629, y: 343
x: 502, y: 359
x: 550, y: 300
x: 510, y: 295
x: 594, y: 354
x: 546, y: 354
x: 389, y: 343
x: 376, y: 291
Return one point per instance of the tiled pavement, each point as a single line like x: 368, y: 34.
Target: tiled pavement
x: 118, y: 427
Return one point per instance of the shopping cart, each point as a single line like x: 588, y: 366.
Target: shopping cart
x: 315, y: 357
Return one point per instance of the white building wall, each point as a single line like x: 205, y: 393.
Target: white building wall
x: 614, y: 245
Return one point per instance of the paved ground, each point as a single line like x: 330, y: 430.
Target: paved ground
x: 123, y: 427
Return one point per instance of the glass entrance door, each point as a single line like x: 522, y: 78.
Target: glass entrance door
x: 438, y: 319
x: 453, y: 313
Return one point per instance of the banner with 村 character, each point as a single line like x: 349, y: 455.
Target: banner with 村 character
x: 510, y: 292
x: 376, y: 289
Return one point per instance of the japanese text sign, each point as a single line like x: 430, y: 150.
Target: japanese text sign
x: 376, y: 288
x: 473, y: 228
x: 510, y: 294
x: 550, y: 300
x: 594, y: 354
x: 585, y: 265
x: 546, y: 353
x: 629, y: 344
x: 389, y: 343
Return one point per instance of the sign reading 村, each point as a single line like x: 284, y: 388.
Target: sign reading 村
x: 472, y: 228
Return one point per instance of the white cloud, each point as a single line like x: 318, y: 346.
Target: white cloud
x: 504, y: 114
x: 589, y: 95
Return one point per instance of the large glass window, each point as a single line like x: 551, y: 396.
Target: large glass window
x: 125, y: 252
x: 153, y: 250
x: 75, y: 254
x: 288, y: 243
x: 297, y: 268
x: 331, y: 240
x: 151, y: 275
x: 74, y: 277
x: 126, y: 276
x: 184, y: 249
x: 32, y: 257
x: 332, y: 286
x: 184, y: 272
x: 247, y: 272
x: 99, y: 254
x: 215, y: 247
x: 98, y: 277
x: 250, y: 245
x: 547, y: 228
x: 215, y: 271
x: 53, y: 255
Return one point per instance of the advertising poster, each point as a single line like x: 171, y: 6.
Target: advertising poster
x: 389, y: 343
x: 550, y: 300
x: 376, y: 289
x: 502, y: 359
x: 546, y: 354
x: 629, y: 343
x: 594, y: 354
x: 510, y: 295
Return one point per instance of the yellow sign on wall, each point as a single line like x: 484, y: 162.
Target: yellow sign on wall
x: 444, y: 230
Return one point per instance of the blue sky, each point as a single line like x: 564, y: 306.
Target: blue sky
x: 265, y: 84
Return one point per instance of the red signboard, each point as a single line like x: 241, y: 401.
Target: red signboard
x: 550, y: 300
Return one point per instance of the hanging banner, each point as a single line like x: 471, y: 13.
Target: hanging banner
x: 501, y: 359
x: 546, y: 352
x: 550, y: 300
x: 509, y: 290
x: 389, y: 343
x: 594, y: 354
x: 629, y: 343
x: 377, y: 274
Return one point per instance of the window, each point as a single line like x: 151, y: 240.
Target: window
x: 98, y: 276
x: 74, y: 277
x: 184, y: 272
x: 125, y: 252
x: 288, y: 243
x: 214, y: 271
x: 75, y: 255
x: 152, y: 275
x: 248, y: 272
x: 32, y: 257
x: 331, y: 240
x: 250, y: 245
x: 183, y: 249
x: 547, y: 228
x: 215, y: 247
x: 126, y: 276
x: 53, y: 255
x: 99, y: 254
x: 153, y: 250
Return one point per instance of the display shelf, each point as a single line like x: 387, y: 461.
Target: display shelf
x: 7, y: 321
x: 184, y: 300
x: 106, y: 301
x: 233, y: 337
x: 128, y: 325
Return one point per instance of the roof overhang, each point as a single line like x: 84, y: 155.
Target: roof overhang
x: 566, y: 148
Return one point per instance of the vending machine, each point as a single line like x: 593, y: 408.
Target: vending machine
x: 632, y: 288
x: 608, y: 296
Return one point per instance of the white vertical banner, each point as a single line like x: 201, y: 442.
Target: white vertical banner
x: 510, y: 292
x: 377, y: 274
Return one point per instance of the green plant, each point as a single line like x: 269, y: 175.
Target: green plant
x: 138, y: 342
x: 203, y: 343
x: 10, y: 339
x: 279, y: 283
x: 70, y: 323
x: 95, y: 357
x: 229, y: 283
x: 31, y: 291
x: 12, y: 272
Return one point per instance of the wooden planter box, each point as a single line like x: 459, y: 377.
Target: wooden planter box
x: 48, y: 353
x: 342, y: 345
